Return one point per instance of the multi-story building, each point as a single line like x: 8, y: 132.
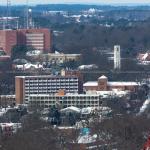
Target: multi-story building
x: 39, y: 39
x: 104, y: 85
x: 44, y: 84
x: 77, y: 100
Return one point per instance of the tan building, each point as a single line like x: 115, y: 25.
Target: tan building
x: 104, y: 85
x: 56, y: 58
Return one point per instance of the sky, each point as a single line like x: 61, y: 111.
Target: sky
x: 14, y: 2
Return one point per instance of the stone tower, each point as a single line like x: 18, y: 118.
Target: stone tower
x: 117, y: 57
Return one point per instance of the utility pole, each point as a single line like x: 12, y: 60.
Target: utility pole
x: 27, y: 14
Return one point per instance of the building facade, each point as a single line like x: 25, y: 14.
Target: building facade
x: 56, y: 58
x: 8, y: 39
x: 28, y: 85
x: 7, y: 100
x: 77, y: 100
x: 104, y: 85
x: 39, y: 39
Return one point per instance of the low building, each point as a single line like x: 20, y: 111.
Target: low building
x: 104, y: 85
x: 8, y: 129
x: 56, y: 57
x: 4, y: 56
x: 7, y: 100
x: 68, y: 100
x: 144, y: 58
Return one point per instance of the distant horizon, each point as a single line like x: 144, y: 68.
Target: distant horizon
x: 82, y: 2
x: 96, y: 4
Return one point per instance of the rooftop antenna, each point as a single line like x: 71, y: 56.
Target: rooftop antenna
x: 8, y: 14
x: 30, y: 18
x: 27, y: 14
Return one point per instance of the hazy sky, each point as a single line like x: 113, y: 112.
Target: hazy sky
x: 76, y: 1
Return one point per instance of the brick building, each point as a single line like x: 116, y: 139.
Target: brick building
x: 8, y: 39
x: 104, y: 85
x: 39, y: 39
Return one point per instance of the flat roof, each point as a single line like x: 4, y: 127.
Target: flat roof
x: 91, y: 83
x: 47, y: 76
x: 68, y: 94
x: 122, y: 83
x: 95, y: 83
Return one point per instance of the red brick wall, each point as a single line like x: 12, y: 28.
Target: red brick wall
x: 8, y: 39
x: 47, y: 37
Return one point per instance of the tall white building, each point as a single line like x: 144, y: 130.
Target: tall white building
x: 117, y: 57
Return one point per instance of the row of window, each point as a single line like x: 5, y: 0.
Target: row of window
x: 65, y: 101
x: 51, y: 80
x: 49, y: 84
x: 49, y: 91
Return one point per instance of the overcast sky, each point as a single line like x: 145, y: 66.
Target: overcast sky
x: 77, y: 1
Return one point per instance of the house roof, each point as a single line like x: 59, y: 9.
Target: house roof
x: 71, y: 108
x: 95, y: 83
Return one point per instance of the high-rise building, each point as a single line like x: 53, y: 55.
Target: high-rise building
x: 117, y: 57
x: 39, y: 39
x: 44, y: 84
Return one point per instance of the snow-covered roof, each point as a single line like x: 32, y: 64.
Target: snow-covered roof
x: 122, y: 84
x: 145, y: 56
x: 71, y: 108
x: 87, y: 110
x: 91, y: 83
x: 102, y: 77
x: 87, y: 139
